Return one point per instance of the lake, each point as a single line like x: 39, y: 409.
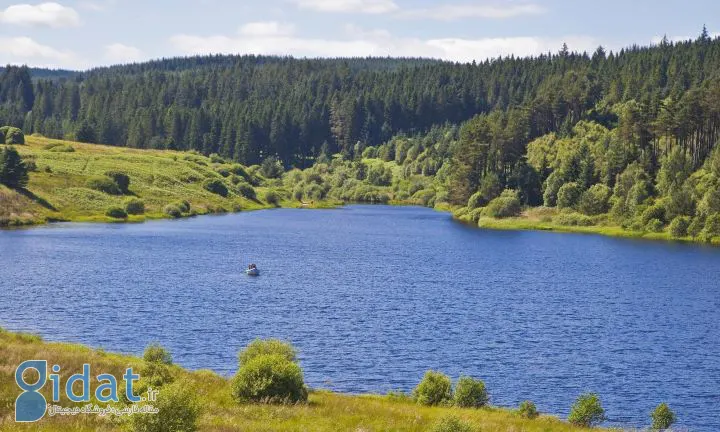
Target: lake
x: 373, y: 296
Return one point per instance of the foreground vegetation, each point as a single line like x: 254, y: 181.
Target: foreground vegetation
x: 213, y: 403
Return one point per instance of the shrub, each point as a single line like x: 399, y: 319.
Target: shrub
x: 117, y: 213
x: 13, y: 171
x: 470, y: 393
x: 434, y: 389
x: 587, y: 411
x: 216, y: 186
x: 269, y: 379
x: 528, y: 410
x: 656, y: 211
x: 662, y: 417
x: 551, y: 187
x: 272, y: 198
x: 223, y: 171
x: 13, y: 135
x: 506, y: 205
x: 451, y: 424
x: 121, y: 179
x: 260, y: 347
x: 594, y: 201
x: 103, y: 184
x: 679, y: 226
x: 59, y: 148
x: 271, y: 168
x: 178, y: 411
x: 135, y: 207
x: 184, y: 206
x: 476, y: 200
x: 155, y: 353
x: 216, y: 158
x: 712, y: 227
x: 173, y: 211
x: 246, y: 190
x: 568, y: 195
x: 573, y: 219
x: 654, y: 225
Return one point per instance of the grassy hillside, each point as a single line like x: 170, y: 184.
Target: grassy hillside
x: 58, y: 188
x: 325, y: 411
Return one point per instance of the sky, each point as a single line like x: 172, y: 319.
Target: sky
x: 81, y: 34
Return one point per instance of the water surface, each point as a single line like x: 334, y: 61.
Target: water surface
x: 373, y: 296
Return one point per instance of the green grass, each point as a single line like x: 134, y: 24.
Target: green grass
x: 57, y: 189
x: 325, y: 411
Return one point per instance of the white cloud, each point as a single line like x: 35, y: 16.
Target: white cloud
x: 43, y: 14
x: 451, y: 12
x: 267, y: 28
x: 380, y: 43
x: 24, y: 50
x: 119, y: 53
x: 346, y: 6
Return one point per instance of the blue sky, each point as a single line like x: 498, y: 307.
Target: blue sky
x: 79, y: 34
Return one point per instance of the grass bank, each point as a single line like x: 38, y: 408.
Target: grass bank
x: 58, y: 188
x: 325, y: 411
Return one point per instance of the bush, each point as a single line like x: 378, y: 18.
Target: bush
x: 662, y: 417
x: 59, y: 148
x: 654, y: 225
x: 451, y: 424
x: 528, y: 410
x: 260, y: 347
x: 13, y: 171
x: 121, y: 179
x: 184, y: 206
x: 587, y: 411
x: 178, y: 411
x: 434, y: 389
x: 12, y: 135
x: 246, y: 190
x: 216, y: 186
x: 223, y: 171
x: 269, y: 379
x: 117, y: 213
x: 476, y: 201
x: 135, y: 207
x: 595, y: 200
x: 506, y: 205
x: 656, y: 211
x: 696, y: 226
x: 573, y: 219
x: 272, y: 198
x: 155, y: 353
x: 679, y: 226
x: 103, y: 184
x: 470, y: 393
x: 712, y: 227
x: 568, y: 195
x: 271, y: 168
x: 173, y: 211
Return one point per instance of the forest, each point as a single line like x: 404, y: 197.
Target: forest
x: 619, y: 138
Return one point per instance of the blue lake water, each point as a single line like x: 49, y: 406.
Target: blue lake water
x: 373, y: 296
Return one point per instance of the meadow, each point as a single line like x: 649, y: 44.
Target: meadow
x: 324, y: 411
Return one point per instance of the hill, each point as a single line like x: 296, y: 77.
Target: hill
x: 325, y: 411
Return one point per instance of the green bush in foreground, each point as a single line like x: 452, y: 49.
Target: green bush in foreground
x: 121, y: 179
x: 528, y: 410
x: 178, y: 411
x: 269, y: 379
x: 11, y: 135
x: 434, y: 389
x: 13, y: 171
x: 451, y: 424
x: 662, y: 417
x: 506, y: 205
x: 103, y: 184
x: 587, y: 411
x: 155, y: 353
x: 272, y: 198
x: 470, y: 393
x: 260, y: 347
x: 117, y: 213
x: 135, y: 207
x: 654, y: 225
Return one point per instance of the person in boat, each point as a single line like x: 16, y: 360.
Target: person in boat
x: 252, y: 267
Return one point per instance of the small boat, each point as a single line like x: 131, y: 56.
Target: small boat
x: 252, y: 270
